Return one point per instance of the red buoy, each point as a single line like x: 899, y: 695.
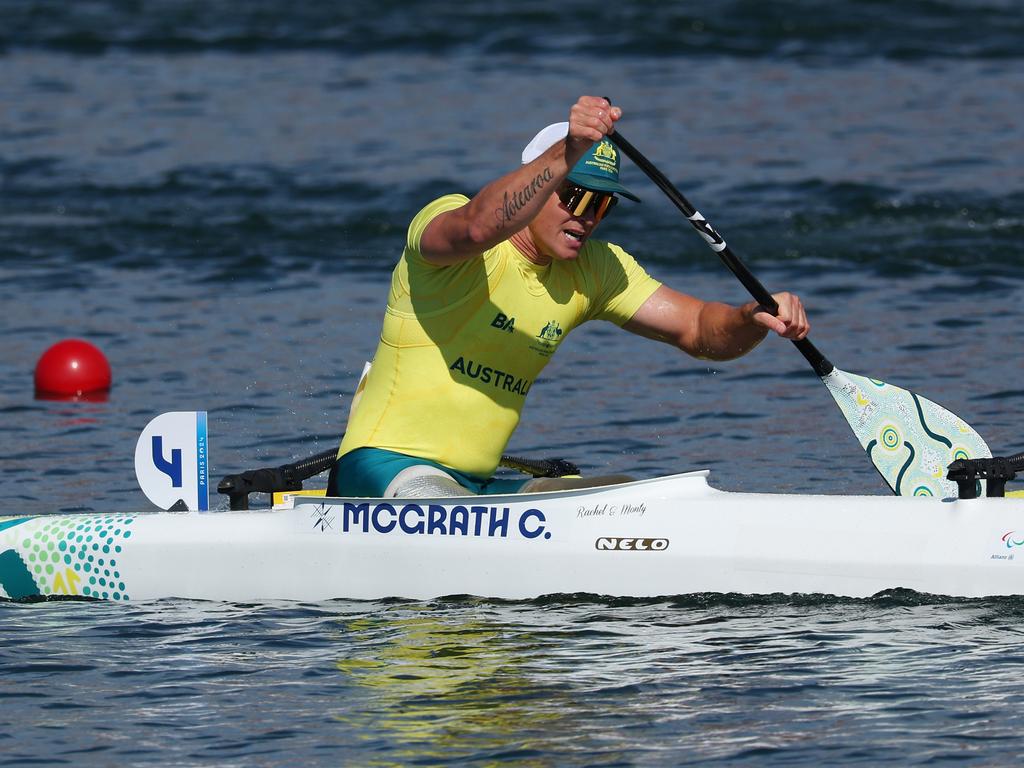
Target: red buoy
x: 72, y: 368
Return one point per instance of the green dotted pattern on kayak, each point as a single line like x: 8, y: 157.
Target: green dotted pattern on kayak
x: 75, y: 555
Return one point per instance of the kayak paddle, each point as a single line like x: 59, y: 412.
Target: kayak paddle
x: 909, y: 439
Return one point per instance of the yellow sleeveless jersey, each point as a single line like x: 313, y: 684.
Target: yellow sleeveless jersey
x: 462, y: 345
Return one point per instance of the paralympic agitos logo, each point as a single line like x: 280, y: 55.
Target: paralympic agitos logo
x: 1013, y: 539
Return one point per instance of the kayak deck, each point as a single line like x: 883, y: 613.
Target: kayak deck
x: 664, y: 536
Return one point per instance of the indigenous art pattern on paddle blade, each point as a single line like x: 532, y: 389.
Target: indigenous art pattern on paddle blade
x: 910, y: 440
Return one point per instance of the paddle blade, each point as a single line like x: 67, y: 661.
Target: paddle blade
x: 908, y: 438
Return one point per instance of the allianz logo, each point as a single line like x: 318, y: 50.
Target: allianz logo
x: 620, y: 543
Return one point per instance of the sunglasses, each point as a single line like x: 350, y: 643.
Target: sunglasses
x: 579, y: 200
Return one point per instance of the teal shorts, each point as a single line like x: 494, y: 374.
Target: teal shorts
x: 365, y: 473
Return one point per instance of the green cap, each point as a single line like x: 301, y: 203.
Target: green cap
x: 598, y: 169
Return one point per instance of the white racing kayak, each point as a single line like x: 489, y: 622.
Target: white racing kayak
x: 666, y: 536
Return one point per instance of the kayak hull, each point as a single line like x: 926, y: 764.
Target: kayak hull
x: 666, y: 536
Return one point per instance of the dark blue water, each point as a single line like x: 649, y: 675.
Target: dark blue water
x: 694, y: 680
x: 215, y: 193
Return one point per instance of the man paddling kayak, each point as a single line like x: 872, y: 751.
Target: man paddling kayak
x: 485, y: 292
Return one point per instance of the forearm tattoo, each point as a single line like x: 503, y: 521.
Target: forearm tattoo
x: 512, y: 204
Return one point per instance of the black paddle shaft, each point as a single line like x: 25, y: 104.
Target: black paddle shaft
x: 818, y: 361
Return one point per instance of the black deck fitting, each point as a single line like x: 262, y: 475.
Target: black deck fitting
x: 287, y: 477
x: 996, y: 471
